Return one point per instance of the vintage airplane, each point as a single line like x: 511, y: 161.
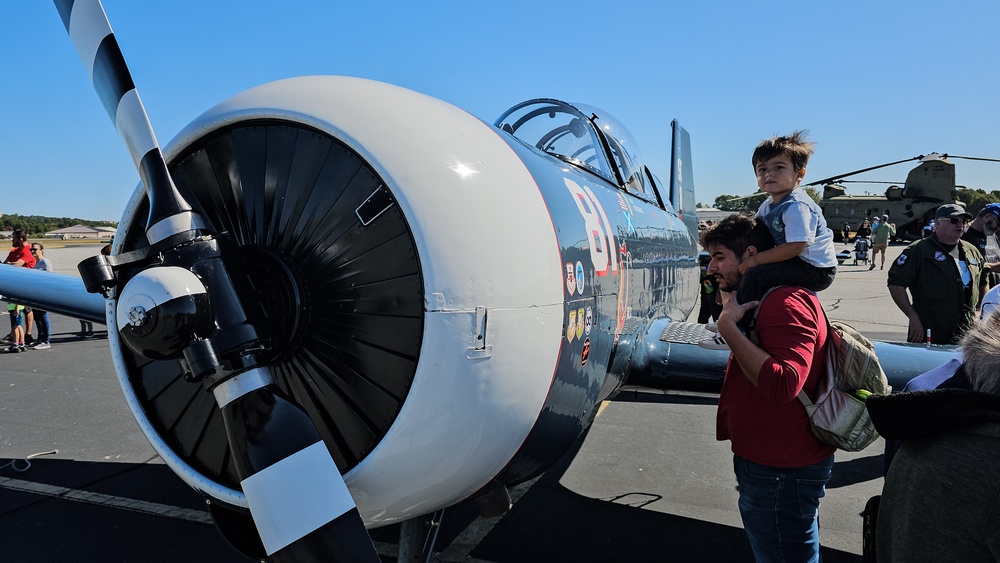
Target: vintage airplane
x: 329, y: 291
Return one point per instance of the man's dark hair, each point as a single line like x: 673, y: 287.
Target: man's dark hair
x: 19, y: 233
x: 795, y: 146
x: 737, y: 232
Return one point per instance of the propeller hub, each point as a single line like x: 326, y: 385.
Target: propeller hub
x: 160, y: 310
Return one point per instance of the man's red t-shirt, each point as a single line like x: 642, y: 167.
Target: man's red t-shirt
x: 22, y: 252
x: 767, y: 424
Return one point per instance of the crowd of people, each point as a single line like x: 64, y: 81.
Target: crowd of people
x: 778, y: 349
x: 24, y: 319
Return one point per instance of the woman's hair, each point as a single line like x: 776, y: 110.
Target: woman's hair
x: 981, y: 353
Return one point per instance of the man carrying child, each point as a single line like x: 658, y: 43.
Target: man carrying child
x: 781, y: 468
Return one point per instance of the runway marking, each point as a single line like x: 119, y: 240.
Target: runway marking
x: 100, y: 499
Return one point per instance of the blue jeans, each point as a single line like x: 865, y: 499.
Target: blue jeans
x: 42, y: 320
x: 780, y: 509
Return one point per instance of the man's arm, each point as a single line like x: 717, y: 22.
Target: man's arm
x: 915, y: 330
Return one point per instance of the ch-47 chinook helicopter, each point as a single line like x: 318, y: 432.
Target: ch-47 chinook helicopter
x: 335, y: 304
x: 928, y: 186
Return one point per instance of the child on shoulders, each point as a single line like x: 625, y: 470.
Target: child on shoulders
x: 803, y: 253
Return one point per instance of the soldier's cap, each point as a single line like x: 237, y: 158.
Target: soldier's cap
x: 952, y: 210
x: 993, y: 208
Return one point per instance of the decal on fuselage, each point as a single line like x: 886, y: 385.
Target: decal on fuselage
x: 600, y: 236
x: 571, y: 326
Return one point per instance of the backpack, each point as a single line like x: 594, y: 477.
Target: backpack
x: 839, y: 417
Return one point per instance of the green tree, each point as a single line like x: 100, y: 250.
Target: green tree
x: 976, y: 199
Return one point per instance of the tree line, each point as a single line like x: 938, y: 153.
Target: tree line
x: 38, y: 225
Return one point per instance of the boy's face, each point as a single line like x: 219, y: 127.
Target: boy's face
x: 777, y: 176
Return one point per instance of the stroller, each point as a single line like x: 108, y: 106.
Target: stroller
x: 861, y: 246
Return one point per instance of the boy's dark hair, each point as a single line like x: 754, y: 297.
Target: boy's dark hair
x: 737, y: 232
x: 795, y: 146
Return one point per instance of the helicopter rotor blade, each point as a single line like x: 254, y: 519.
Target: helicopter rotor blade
x: 972, y: 158
x: 841, y: 176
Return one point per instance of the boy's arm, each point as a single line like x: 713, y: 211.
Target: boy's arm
x: 779, y: 253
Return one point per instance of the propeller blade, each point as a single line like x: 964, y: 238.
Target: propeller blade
x: 95, y: 43
x: 300, y: 504
x: 278, y: 448
x: 840, y: 176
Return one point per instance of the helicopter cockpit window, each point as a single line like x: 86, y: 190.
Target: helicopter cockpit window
x: 561, y: 130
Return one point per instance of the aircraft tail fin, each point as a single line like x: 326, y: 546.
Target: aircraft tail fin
x: 682, y: 177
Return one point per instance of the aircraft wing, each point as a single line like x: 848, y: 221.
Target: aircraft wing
x: 50, y: 291
x: 669, y: 358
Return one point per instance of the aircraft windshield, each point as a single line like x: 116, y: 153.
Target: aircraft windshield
x: 560, y: 130
x: 624, y: 149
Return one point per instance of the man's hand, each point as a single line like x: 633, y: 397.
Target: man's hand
x: 915, y: 330
x: 733, y: 312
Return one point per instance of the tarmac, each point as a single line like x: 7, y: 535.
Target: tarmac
x: 647, y: 482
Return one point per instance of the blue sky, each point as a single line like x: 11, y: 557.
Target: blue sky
x: 873, y: 81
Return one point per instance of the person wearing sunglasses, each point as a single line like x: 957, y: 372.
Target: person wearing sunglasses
x: 41, y: 317
x: 946, y: 278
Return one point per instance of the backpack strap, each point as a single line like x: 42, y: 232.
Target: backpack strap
x: 803, y: 398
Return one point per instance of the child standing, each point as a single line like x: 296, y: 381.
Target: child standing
x: 803, y: 253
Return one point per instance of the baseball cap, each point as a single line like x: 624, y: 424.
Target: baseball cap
x: 993, y: 208
x: 952, y: 210
x: 885, y: 217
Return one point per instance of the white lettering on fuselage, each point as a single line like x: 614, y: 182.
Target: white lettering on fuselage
x: 603, y: 251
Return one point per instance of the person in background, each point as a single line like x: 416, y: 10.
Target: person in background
x: 880, y: 240
x: 711, y: 299
x: 41, y: 317
x: 87, y: 327
x: 865, y: 230
x: 982, y: 233
x: 941, y: 497
x: 945, y: 276
x: 19, y: 256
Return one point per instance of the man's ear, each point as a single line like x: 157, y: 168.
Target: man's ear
x: 751, y: 250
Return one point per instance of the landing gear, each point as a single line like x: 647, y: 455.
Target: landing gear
x: 417, y: 538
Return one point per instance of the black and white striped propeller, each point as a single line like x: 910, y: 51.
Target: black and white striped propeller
x: 300, y: 504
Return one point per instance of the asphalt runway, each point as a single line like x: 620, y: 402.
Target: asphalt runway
x: 647, y: 482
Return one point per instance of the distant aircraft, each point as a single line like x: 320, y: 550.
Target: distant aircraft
x: 329, y: 291
x: 928, y: 186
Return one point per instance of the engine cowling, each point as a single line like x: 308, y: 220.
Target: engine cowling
x: 409, y: 273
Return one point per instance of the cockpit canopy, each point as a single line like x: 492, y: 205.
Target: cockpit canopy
x: 581, y: 135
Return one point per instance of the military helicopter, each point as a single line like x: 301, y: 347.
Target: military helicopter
x: 928, y: 186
